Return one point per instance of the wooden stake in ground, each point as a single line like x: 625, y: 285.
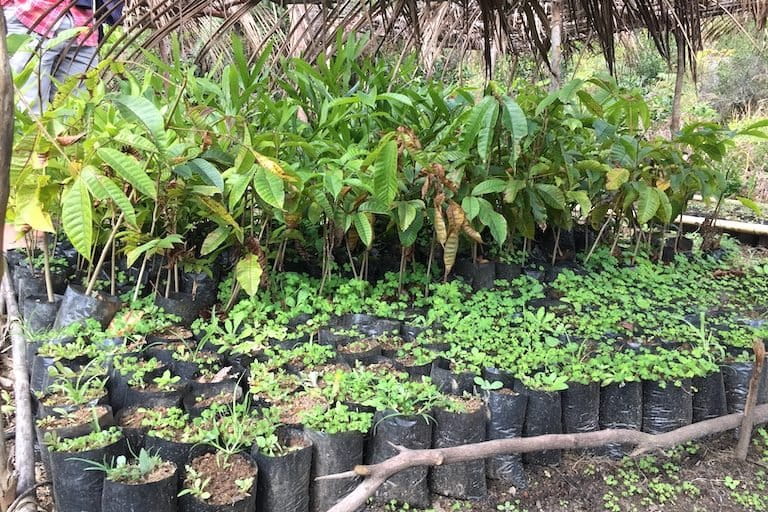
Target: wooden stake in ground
x: 376, y: 474
x: 745, y: 431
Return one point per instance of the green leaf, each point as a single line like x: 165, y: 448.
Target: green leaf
x: 480, y: 126
x: 333, y: 179
x: 270, y: 188
x: 551, y: 195
x: 409, y: 236
x: 77, y: 217
x: 214, y: 239
x: 406, y: 213
x: 498, y: 226
x: 588, y: 101
x: 514, y: 119
x: 142, y: 111
x: 665, y: 207
x: 512, y: 189
x: 222, y: 214
x: 207, y: 172
x: 385, y: 173
x: 154, y: 247
x: 615, y: 178
x: 363, y: 228
x: 471, y: 207
x: 248, y: 273
x: 647, y: 204
x: 103, y: 188
x: 752, y: 205
x: 582, y: 199
x: 490, y: 186
x: 568, y: 91
x: 129, y: 169
x: 395, y: 97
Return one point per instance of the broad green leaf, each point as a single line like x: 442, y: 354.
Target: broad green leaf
x: 270, y: 188
x: 140, y: 110
x: 409, y: 236
x: 77, y: 217
x: 222, y: 215
x: 546, y: 102
x: 480, y: 126
x: 406, y: 213
x: 568, y: 91
x: 665, y: 207
x: 155, y: 246
x: 498, y: 227
x: 514, y: 119
x: 647, y: 204
x: 129, y: 169
x: 333, y: 180
x: 471, y: 207
x: 248, y: 273
x: 128, y: 138
x: 582, y: 199
x: 103, y: 188
x: 385, y: 173
x: 615, y: 178
x: 552, y: 195
x: 395, y: 97
x: 512, y: 189
x: 214, y: 239
x: 363, y: 228
x: 589, y: 101
x: 490, y: 186
x: 207, y: 172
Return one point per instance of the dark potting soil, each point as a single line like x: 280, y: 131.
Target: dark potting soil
x: 359, y: 346
x: 56, y: 400
x: 72, y: 419
x: 222, y: 485
x: 290, y: 411
x: 383, y: 367
x: 133, y: 417
x: 391, y: 342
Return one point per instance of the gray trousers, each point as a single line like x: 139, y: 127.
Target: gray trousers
x: 56, y: 63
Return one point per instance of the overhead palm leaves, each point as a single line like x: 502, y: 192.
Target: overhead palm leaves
x: 430, y: 28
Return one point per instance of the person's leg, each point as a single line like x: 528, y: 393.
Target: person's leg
x: 75, y: 62
x: 38, y: 84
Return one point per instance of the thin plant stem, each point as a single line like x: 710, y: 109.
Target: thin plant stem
x: 597, y: 239
x: 103, y: 256
x: 113, y: 262
x: 429, y: 266
x: 47, y: 269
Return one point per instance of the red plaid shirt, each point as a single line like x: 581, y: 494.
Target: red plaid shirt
x: 30, y: 11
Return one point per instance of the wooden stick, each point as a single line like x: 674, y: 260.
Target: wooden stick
x: 747, y: 421
x: 25, y: 434
x: 376, y: 474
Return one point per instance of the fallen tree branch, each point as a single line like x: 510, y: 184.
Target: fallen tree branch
x: 747, y: 420
x: 376, y: 474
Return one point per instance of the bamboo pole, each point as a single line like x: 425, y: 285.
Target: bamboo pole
x: 727, y: 225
